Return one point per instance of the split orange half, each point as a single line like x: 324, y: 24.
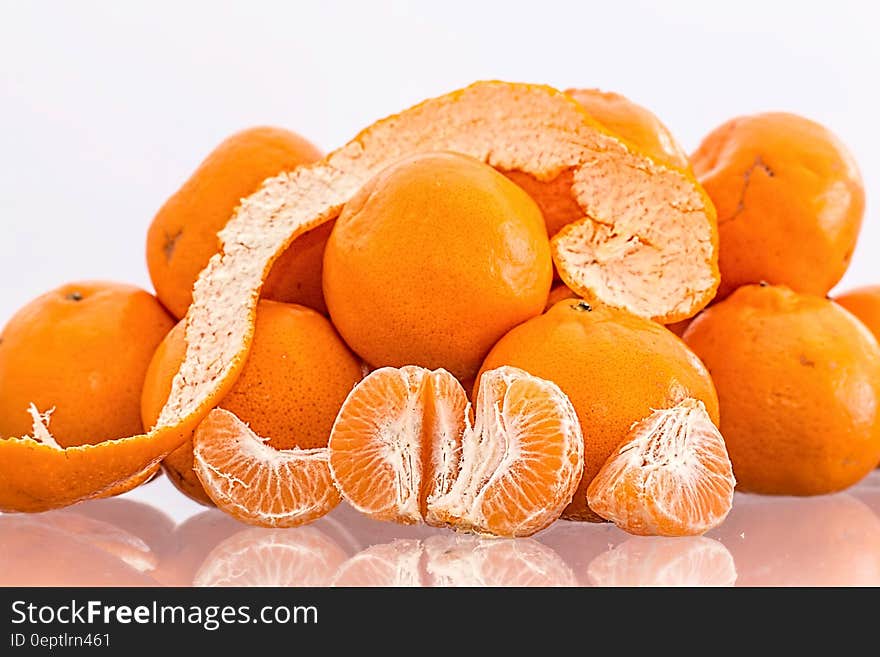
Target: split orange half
x: 404, y: 448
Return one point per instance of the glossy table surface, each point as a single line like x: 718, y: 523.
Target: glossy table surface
x: 153, y: 536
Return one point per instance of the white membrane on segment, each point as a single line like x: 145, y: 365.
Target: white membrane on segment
x: 497, y: 448
x: 295, y: 483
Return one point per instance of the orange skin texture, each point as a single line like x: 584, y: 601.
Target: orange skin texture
x: 295, y: 379
x: 634, y: 124
x: 616, y: 114
x: 679, y: 327
x: 798, y: 378
x: 296, y: 277
x: 790, y: 201
x: 183, y: 235
x: 864, y: 303
x: 614, y: 366
x: 433, y: 261
x: 87, y: 358
x: 561, y: 292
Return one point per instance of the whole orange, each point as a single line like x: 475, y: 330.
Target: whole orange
x: 432, y: 261
x: 864, y: 303
x: 789, y: 198
x: 798, y: 378
x: 296, y: 377
x: 633, y: 123
x: 614, y: 366
x: 82, y: 349
x: 183, y: 235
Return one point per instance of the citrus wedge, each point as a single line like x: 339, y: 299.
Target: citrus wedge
x: 256, y: 483
x: 671, y: 476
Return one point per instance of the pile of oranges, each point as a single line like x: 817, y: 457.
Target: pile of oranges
x: 501, y: 307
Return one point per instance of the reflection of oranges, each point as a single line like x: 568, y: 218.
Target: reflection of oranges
x: 304, y: 556
x: 789, y: 199
x: 615, y: 367
x: 662, y: 561
x: 455, y: 561
x: 578, y: 543
x: 632, y: 123
x: 190, y: 543
x: 82, y: 349
x: 868, y: 491
x: 63, y: 548
x: 798, y: 379
x: 433, y: 261
x: 864, y: 303
x: 831, y: 540
x: 183, y: 235
x: 297, y: 375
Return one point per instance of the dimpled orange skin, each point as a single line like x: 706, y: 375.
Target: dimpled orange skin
x: 790, y: 201
x: 615, y: 367
x: 82, y: 349
x: 634, y: 124
x: 183, y: 235
x: 798, y: 378
x: 296, y: 377
x: 561, y: 292
x: 864, y: 303
x: 432, y: 261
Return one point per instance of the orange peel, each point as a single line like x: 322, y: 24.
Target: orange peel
x: 641, y: 219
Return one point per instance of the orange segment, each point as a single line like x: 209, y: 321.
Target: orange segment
x: 521, y: 461
x: 396, y: 441
x: 256, y: 483
x: 671, y: 476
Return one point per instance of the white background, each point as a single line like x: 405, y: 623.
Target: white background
x: 105, y: 108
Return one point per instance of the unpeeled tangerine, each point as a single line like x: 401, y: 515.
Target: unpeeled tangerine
x: 648, y: 243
